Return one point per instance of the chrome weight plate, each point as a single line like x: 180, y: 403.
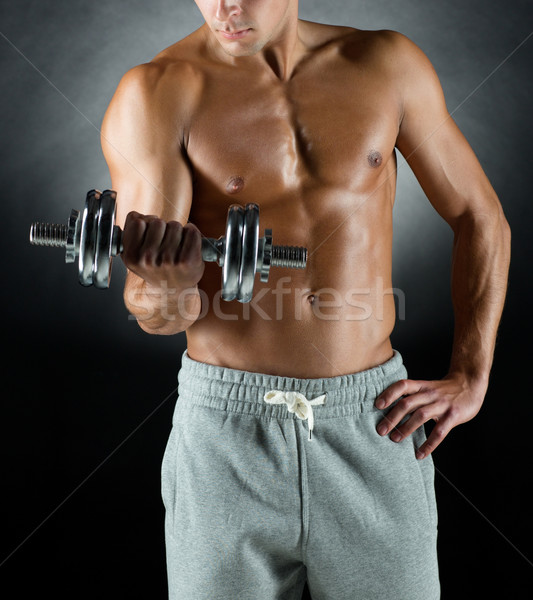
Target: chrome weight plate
x: 88, y: 237
x: 250, y: 243
x: 232, y: 260
x: 104, y: 239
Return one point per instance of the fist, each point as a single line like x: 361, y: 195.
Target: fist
x: 162, y: 253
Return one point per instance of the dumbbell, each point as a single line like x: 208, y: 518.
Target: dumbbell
x: 93, y: 237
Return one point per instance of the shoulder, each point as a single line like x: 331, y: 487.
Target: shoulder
x: 384, y: 47
x: 157, y: 82
x: 402, y: 53
x: 165, y: 87
x: 378, y: 49
x: 392, y: 57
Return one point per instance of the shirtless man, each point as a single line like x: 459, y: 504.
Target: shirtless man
x: 302, y: 119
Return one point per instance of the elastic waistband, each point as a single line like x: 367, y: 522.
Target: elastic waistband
x: 233, y: 390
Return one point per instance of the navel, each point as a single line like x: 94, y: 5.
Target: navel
x: 235, y: 185
x: 311, y: 298
x: 375, y: 159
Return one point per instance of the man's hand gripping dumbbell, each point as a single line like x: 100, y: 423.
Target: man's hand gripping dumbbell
x: 159, y: 251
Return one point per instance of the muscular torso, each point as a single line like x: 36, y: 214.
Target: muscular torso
x: 316, y: 153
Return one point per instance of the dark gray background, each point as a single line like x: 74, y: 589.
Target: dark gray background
x: 88, y: 397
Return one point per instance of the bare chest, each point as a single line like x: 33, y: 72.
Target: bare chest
x: 331, y: 128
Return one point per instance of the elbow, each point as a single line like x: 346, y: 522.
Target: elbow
x: 489, y: 227
x: 487, y: 216
x: 165, y: 328
x: 155, y: 322
x: 506, y: 237
x: 502, y: 232
x: 156, y: 316
x: 506, y: 232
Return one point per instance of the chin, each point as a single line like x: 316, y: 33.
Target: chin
x: 237, y: 50
x: 241, y: 53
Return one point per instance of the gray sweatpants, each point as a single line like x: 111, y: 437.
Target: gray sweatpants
x: 254, y: 508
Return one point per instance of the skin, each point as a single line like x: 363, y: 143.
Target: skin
x: 305, y: 120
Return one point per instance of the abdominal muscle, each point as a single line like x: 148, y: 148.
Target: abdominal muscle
x: 332, y: 318
x: 291, y: 329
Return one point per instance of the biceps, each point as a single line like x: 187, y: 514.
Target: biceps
x: 141, y: 145
x: 436, y: 150
x: 150, y: 176
x: 159, y: 186
x: 446, y: 167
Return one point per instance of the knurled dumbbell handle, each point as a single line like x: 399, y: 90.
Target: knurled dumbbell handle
x: 55, y: 236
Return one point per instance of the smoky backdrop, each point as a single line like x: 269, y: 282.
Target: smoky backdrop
x: 87, y: 397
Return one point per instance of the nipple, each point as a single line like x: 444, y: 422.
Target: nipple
x: 375, y: 159
x: 235, y: 185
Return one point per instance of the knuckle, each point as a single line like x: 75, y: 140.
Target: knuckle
x: 148, y: 258
x: 131, y: 252
x: 433, y: 393
x: 454, y: 413
x: 131, y: 217
x: 166, y: 257
x: 406, y: 403
x: 191, y: 227
x: 183, y: 262
x: 175, y: 233
x: 157, y: 224
x: 191, y: 247
x: 408, y: 387
x: 191, y: 232
x: 439, y: 432
x: 185, y: 235
x: 403, y: 385
x: 389, y: 419
x: 174, y: 226
x: 133, y: 227
x: 423, y: 413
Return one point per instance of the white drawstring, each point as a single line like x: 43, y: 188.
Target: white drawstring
x: 296, y: 403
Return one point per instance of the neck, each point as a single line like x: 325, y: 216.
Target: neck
x: 281, y: 55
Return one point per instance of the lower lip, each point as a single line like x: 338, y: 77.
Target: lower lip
x: 235, y: 36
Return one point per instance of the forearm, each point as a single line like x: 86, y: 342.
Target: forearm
x: 161, y: 311
x: 481, y: 256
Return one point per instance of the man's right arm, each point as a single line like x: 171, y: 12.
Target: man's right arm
x: 143, y: 146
